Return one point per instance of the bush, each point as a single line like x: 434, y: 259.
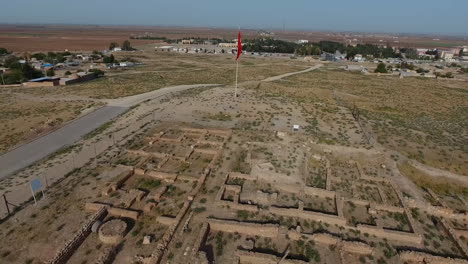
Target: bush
x: 109, y: 59
x: 50, y: 72
x: 97, y: 72
x: 3, y: 51
x: 381, y: 68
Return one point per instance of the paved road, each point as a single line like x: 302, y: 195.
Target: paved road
x: 40, y: 148
x: 279, y: 77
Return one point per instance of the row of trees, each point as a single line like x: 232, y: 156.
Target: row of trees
x: 280, y: 46
x: 270, y: 45
x: 375, y: 51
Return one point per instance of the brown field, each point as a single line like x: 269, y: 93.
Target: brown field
x: 22, y: 38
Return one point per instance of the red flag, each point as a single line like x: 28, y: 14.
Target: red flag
x: 239, y: 45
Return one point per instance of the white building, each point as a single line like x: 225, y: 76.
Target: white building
x: 302, y: 41
x: 359, y: 58
x: 117, y: 49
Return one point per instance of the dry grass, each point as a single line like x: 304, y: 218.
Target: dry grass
x: 424, y: 119
x: 167, y: 69
x: 440, y: 185
x: 25, y: 119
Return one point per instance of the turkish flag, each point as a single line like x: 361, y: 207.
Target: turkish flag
x: 239, y: 45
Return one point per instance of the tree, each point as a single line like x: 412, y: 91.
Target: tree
x: 381, y: 68
x: 13, y: 77
x: 67, y: 73
x: 50, y: 72
x: 3, y: 51
x: 113, y: 45
x: 97, y: 72
x: 126, y: 45
x: 39, y: 56
x: 109, y: 59
x: 411, y: 54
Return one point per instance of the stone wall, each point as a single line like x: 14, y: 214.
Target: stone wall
x: 119, y: 212
x: 320, y: 192
x: 402, y: 237
x: 264, y: 230
x: 461, y: 245
x: 238, y: 175
x: 315, y: 216
x: 165, y: 220
x: 67, y: 251
x: 419, y: 257
x: 167, y: 177
x: 261, y: 258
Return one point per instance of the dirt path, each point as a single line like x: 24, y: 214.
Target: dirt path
x: 279, y: 77
x: 434, y: 172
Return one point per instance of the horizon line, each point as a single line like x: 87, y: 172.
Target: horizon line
x: 459, y: 35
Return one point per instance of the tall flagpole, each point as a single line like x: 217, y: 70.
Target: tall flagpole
x: 237, y: 62
x: 237, y: 71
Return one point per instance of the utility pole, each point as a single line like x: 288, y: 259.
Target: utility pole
x: 6, y: 204
x: 3, y: 80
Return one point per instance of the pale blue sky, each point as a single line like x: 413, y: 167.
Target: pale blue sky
x: 413, y: 16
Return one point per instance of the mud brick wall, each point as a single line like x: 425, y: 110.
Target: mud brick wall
x: 419, y: 257
x: 167, y: 237
x: 403, y: 237
x: 67, y: 251
x: 320, y: 192
x: 201, y: 239
x: 166, y: 220
x: 261, y: 258
x: 264, y: 230
x: 238, y: 175
x: 315, y: 216
x: 460, y: 244
x: 123, y: 213
x: 167, y: 177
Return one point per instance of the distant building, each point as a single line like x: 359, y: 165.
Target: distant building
x: 186, y: 41
x: 359, y: 58
x: 421, y: 52
x: 227, y: 45
x: 333, y: 57
x: 358, y: 68
x: 117, y: 49
x: 77, y: 78
x: 302, y: 41
x: 165, y: 48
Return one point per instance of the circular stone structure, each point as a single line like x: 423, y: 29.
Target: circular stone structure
x: 113, y: 231
x: 95, y: 226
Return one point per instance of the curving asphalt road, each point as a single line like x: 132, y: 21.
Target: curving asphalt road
x: 29, y: 153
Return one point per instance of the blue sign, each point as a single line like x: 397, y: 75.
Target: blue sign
x: 35, y: 184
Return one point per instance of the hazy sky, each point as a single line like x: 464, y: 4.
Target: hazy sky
x: 424, y: 16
